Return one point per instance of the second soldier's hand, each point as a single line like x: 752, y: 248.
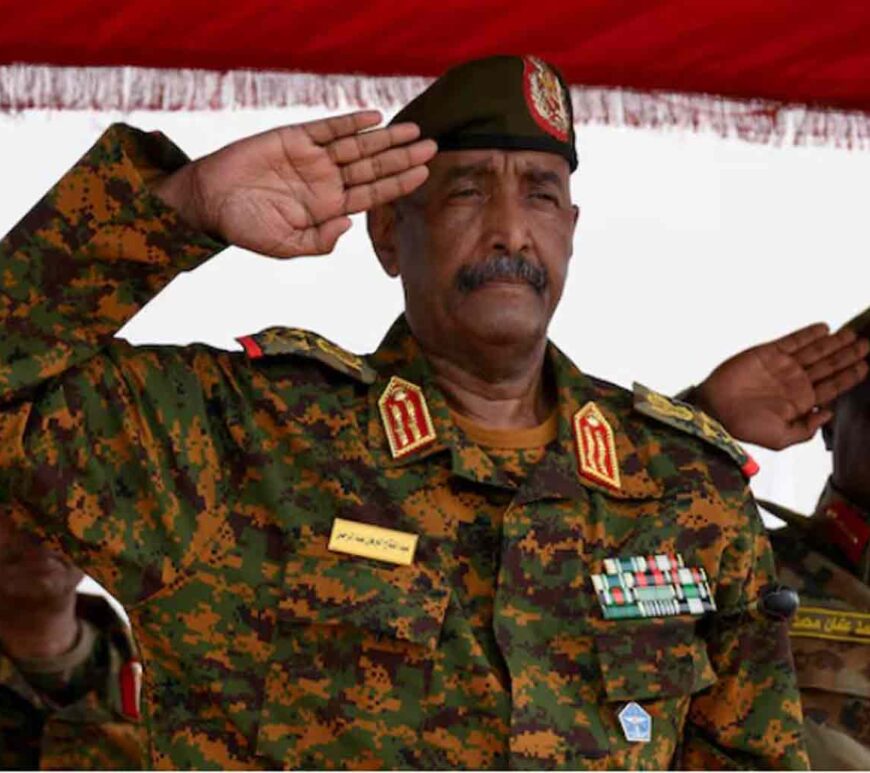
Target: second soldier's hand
x: 775, y: 394
x: 289, y: 191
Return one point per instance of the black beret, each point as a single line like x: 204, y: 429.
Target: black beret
x: 505, y: 102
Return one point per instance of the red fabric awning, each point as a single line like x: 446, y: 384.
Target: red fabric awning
x: 784, y: 50
x: 778, y: 51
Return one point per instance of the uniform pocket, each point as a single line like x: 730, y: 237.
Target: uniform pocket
x: 353, y: 658
x: 834, y: 681
x: 406, y: 603
x: 658, y: 664
x: 832, y: 666
x: 652, y: 659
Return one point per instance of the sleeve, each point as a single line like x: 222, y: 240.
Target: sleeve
x: 751, y: 717
x: 106, y: 450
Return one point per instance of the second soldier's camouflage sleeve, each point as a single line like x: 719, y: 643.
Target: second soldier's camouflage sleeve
x: 751, y: 717
x: 105, y: 449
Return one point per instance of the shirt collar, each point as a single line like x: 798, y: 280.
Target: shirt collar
x: 557, y: 475
x: 400, y: 355
x: 11, y: 678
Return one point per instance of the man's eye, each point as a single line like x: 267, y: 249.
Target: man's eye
x: 464, y: 193
x: 544, y: 196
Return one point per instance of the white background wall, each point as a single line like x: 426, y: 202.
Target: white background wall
x: 689, y: 249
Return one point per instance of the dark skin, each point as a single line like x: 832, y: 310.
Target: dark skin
x: 37, y: 597
x: 779, y: 393
x: 486, y: 344
x: 288, y: 192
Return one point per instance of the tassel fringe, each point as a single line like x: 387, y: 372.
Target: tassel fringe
x: 125, y: 89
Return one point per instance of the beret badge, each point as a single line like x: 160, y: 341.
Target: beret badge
x: 546, y: 98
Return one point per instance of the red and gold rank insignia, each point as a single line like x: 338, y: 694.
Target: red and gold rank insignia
x: 596, y: 446
x: 406, y: 417
x: 546, y: 98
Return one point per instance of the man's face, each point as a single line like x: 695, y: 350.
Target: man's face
x: 850, y: 444
x: 29, y: 572
x: 482, y: 247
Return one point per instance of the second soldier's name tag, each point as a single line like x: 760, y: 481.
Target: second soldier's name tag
x: 367, y: 541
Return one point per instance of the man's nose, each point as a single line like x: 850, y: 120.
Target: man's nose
x: 507, y: 223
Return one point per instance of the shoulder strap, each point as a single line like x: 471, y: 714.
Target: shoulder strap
x: 687, y: 418
x: 283, y: 341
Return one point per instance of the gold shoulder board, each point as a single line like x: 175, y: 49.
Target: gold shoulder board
x: 687, y: 418
x: 283, y: 341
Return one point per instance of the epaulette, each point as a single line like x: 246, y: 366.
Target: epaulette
x: 687, y: 418
x: 282, y: 341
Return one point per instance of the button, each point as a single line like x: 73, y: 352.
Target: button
x: 778, y: 602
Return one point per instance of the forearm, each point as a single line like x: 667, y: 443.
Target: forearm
x: 75, y: 409
x: 88, y: 256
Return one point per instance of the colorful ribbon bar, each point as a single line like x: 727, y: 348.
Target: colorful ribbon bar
x: 652, y: 586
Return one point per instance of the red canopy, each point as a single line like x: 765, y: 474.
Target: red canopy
x: 781, y: 51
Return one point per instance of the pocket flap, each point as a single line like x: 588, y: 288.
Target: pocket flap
x: 652, y: 659
x: 402, y: 602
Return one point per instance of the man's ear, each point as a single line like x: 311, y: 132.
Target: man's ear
x: 575, y: 214
x: 381, y: 225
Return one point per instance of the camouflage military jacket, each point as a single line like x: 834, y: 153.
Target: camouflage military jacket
x: 99, y: 731
x: 830, y: 635
x: 201, y: 487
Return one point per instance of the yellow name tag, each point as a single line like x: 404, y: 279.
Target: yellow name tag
x: 821, y: 623
x: 367, y: 541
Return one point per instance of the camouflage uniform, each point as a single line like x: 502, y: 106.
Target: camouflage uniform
x: 830, y: 636
x: 200, y: 488
x: 95, y: 730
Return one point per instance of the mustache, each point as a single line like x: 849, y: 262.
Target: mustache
x: 505, y: 266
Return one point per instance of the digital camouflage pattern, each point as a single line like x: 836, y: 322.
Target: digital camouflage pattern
x: 830, y: 637
x: 686, y: 417
x: 92, y: 732
x: 200, y: 487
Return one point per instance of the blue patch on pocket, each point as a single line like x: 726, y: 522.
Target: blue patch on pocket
x: 636, y: 723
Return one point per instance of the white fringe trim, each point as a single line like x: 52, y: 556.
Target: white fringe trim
x: 46, y: 87
x: 755, y: 120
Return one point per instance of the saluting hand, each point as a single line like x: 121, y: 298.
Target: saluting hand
x: 775, y: 395
x: 288, y: 191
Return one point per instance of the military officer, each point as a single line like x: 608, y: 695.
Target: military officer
x: 460, y: 551
x: 68, y: 668
x: 826, y: 557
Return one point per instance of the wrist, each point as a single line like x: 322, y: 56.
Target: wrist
x: 179, y: 191
x: 695, y: 397
x: 699, y: 398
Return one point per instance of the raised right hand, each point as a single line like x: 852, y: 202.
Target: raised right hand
x: 288, y: 191
x: 778, y: 394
